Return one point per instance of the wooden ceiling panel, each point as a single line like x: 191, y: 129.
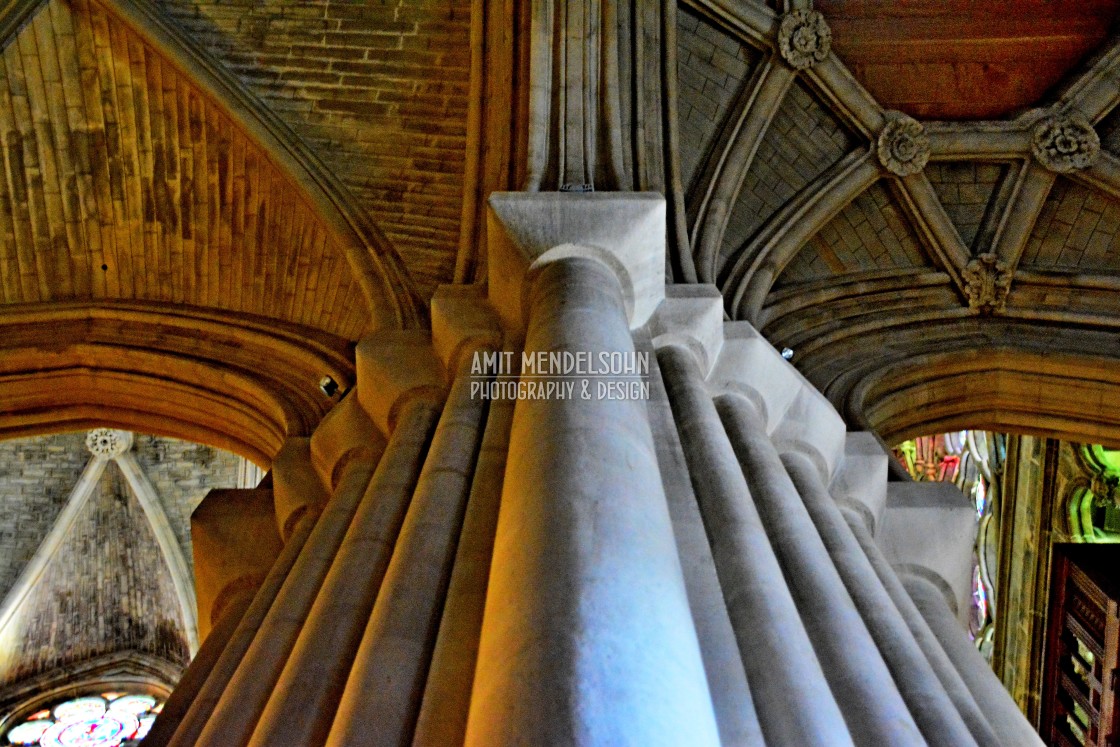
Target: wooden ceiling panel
x: 123, y: 180
x: 965, y: 59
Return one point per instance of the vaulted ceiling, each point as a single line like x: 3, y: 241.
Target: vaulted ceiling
x: 963, y: 59
x: 203, y: 206
x: 95, y: 553
x: 976, y: 289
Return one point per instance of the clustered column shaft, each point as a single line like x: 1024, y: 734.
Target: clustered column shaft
x: 946, y: 673
x: 188, y: 730
x: 992, y: 697
x: 859, y: 678
x: 396, y: 647
x: 303, y: 702
x: 248, y: 690
x: 927, y: 700
x: 765, y: 619
x: 587, y: 636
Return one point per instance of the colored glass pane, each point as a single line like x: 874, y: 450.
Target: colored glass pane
x: 80, y: 708
x: 134, y: 704
x: 1109, y: 458
x: 103, y: 731
x: 145, y: 727
x: 113, y: 719
x: 29, y: 732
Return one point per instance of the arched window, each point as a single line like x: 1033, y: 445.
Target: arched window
x: 106, y: 719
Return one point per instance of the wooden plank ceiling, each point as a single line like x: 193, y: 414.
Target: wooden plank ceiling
x: 965, y: 59
x: 122, y: 180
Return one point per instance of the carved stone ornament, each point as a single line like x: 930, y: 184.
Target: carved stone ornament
x: 987, y: 282
x: 804, y: 38
x: 903, y: 146
x: 1105, y: 490
x: 108, y: 443
x: 1065, y: 143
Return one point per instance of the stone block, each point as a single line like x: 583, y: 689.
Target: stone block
x: 929, y: 529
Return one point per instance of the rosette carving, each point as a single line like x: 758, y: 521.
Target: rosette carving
x: 804, y: 38
x: 903, y: 146
x: 1065, y: 143
x: 108, y: 443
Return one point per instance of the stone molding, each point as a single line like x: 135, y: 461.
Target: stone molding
x: 377, y: 268
x: 108, y: 443
x: 804, y: 38
x: 903, y: 145
x: 395, y: 367
x: 1065, y: 142
x: 987, y: 283
x: 625, y: 231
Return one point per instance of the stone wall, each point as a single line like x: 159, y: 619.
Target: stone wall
x: 105, y: 590
x: 379, y: 91
x: 712, y: 67
x: 802, y: 142
x: 107, y: 587
x: 36, y: 477
x: 182, y: 473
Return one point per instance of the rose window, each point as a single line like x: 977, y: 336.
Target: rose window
x: 106, y: 720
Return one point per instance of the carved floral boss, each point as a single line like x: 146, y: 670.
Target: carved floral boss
x: 804, y: 38
x: 1065, y: 143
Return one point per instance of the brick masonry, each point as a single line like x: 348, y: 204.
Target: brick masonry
x: 712, y: 69
x: 801, y: 143
x: 379, y: 90
x: 107, y: 588
x: 871, y: 233
x: 104, y: 591
x: 965, y: 190
x: 1076, y: 231
x: 36, y: 477
x: 182, y: 473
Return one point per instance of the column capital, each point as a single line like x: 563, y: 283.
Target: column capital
x: 623, y: 230
x: 296, y: 485
x: 235, y: 542
x: 928, y: 530
x: 462, y: 321
x: 691, y: 317
x: 345, y: 433
x: 395, y: 366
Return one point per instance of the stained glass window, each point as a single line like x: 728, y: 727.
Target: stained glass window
x: 972, y: 461
x: 1094, y: 504
x: 111, y: 719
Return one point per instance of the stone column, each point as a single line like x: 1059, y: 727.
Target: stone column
x: 396, y: 647
x: 1002, y: 712
x: 950, y: 679
x: 860, y: 679
x: 927, y: 700
x: 203, y: 663
x: 763, y: 614
x: 248, y: 690
x: 587, y: 636
x: 303, y: 702
x: 211, y: 691
x: 443, y: 713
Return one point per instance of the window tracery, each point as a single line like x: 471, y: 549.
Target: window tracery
x: 107, y: 719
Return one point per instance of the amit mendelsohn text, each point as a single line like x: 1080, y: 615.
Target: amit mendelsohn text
x: 561, y: 374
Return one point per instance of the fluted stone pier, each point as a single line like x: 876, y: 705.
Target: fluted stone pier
x: 545, y: 571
